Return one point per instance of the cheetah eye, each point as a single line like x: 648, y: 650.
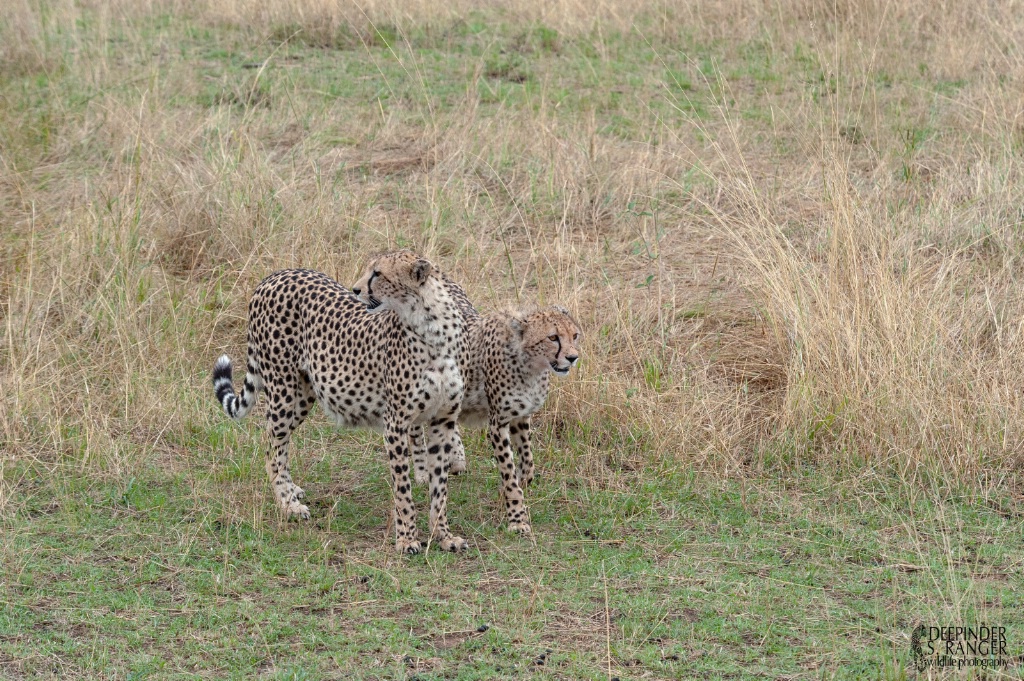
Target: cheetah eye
x: 553, y: 338
x: 575, y: 336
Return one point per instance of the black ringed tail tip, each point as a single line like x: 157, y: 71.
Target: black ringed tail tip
x: 222, y: 385
x: 235, y: 406
x: 222, y: 369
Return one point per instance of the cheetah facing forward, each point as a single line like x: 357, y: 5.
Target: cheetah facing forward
x: 506, y: 363
x: 311, y: 340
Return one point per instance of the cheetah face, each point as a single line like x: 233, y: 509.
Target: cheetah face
x: 392, y: 281
x: 551, y: 340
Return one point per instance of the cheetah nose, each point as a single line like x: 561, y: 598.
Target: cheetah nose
x: 572, y: 358
x: 356, y: 291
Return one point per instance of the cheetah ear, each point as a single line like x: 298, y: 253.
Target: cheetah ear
x: 563, y: 311
x: 517, y: 325
x: 421, y: 269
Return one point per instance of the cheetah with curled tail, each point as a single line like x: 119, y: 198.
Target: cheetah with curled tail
x: 506, y: 364
x: 382, y: 356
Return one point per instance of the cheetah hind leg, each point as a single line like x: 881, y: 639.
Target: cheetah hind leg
x: 417, y: 444
x: 305, y: 403
x: 286, y: 492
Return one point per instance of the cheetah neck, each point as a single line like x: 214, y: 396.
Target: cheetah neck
x: 434, y: 318
x: 526, y: 368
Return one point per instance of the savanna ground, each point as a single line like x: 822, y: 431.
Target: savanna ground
x: 793, y: 233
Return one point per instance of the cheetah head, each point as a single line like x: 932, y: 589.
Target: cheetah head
x: 550, y: 339
x: 393, y: 281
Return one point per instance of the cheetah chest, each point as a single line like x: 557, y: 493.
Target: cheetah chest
x: 523, y: 402
x: 440, y: 388
x: 474, y: 404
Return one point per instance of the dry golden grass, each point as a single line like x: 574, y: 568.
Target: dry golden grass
x: 822, y: 265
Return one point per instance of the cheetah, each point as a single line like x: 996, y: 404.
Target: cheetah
x: 506, y: 363
x: 383, y: 356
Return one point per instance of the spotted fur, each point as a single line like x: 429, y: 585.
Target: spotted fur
x: 383, y: 356
x: 506, y: 366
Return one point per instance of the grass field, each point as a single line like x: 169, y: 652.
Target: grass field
x: 792, y: 232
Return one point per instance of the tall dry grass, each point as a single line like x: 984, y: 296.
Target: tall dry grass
x: 822, y: 269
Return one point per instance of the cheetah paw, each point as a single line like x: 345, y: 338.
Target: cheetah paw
x: 299, y: 492
x: 458, y: 466
x: 297, y: 511
x: 409, y: 547
x: 453, y: 544
x: 420, y: 477
x: 521, y: 528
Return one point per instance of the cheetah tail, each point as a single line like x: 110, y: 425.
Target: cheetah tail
x: 235, y: 406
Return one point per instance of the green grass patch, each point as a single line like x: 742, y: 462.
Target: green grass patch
x: 672, y: 574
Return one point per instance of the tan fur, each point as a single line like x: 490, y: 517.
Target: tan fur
x: 506, y: 364
x: 383, y: 356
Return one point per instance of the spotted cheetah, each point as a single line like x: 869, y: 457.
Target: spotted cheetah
x: 506, y: 362
x: 382, y: 356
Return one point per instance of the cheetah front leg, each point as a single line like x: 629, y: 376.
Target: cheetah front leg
x: 515, y: 507
x: 520, y: 431
x: 419, y: 454
x: 457, y: 461
x: 404, y: 512
x: 443, y: 443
